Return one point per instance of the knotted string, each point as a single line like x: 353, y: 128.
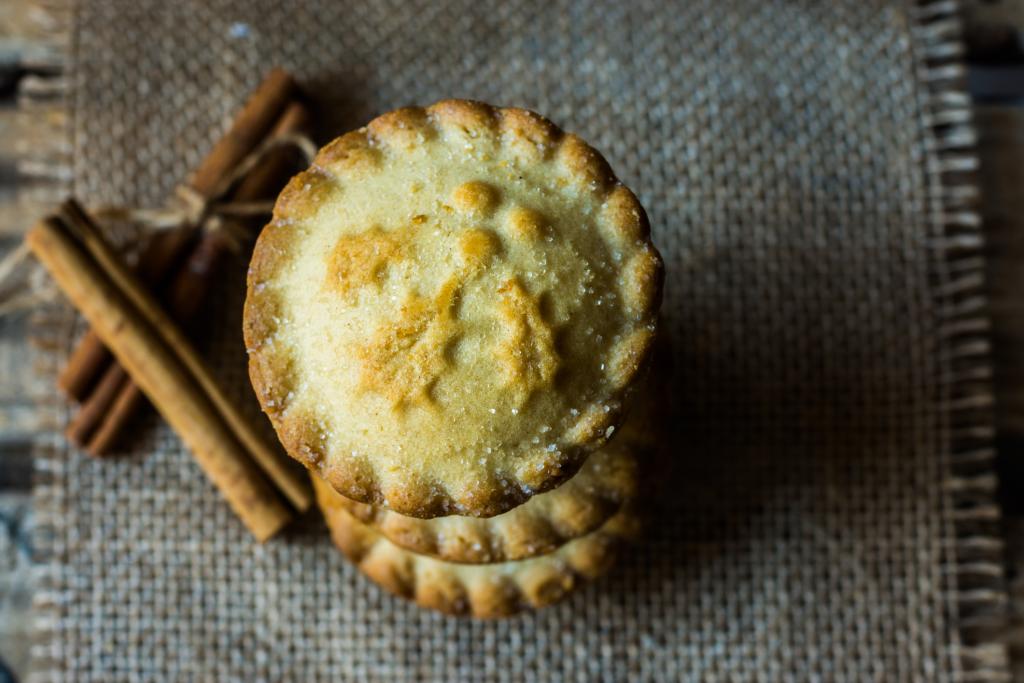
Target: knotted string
x: 188, y: 209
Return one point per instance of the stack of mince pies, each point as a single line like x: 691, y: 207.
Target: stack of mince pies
x: 450, y: 320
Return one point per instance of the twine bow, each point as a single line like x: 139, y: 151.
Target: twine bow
x: 188, y: 209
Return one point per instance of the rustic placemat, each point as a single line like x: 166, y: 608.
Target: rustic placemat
x: 830, y: 516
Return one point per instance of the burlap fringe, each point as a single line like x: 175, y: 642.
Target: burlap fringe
x: 977, y: 561
x: 977, y: 574
x: 50, y: 175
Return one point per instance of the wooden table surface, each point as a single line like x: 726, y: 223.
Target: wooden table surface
x: 31, y: 54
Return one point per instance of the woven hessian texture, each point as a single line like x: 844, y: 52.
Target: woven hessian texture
x: 789, y: 161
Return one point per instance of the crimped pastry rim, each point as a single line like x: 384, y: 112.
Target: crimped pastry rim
x: 492, y: 591
x: 620, y: 211
x: 528, y: 533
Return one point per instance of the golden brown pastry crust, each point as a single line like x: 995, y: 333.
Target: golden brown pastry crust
x: 540, y: 525
x: 405, y: 363
x: 609, y: 478
x: 484, y: 591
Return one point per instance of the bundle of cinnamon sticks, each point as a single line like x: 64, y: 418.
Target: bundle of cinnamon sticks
x: 136, y: 347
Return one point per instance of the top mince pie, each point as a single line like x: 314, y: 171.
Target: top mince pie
x: 449, y: 309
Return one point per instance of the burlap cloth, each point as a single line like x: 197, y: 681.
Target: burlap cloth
x: 830, y: 510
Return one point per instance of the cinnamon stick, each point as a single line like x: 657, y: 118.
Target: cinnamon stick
x: 103, y: 418
x: 81, y: 428
x: 85, y: 364
x: 248, y: 129
x: 197, y: 275
x: 268, y: 177
x: 270, y: 461
x: 126, y: 404
x: 112, y: 301
x: 90, y: 358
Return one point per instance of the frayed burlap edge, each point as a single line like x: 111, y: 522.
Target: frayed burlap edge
x: 53, y: 329
x: 964, y: 363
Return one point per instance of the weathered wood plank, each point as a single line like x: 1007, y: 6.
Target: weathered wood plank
x: 1001, y: 147
x: 33, y: 39
x: 33, y: 43
x: 15, y: 584
x: 37, y: 129
x: 994, y: 29
x: 30, y: 141
x: 1008, y: 13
